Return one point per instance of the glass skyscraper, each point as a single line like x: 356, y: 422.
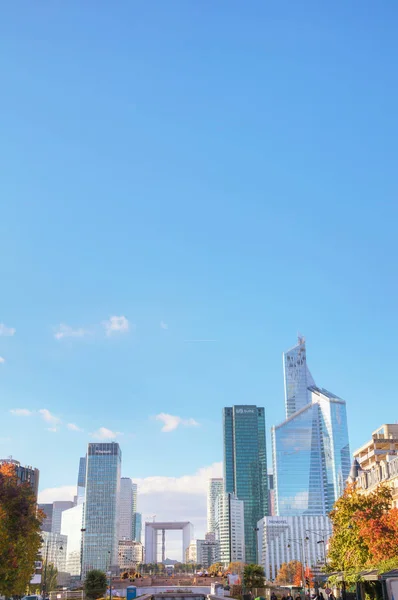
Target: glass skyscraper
x: 311, y: 454
x: 297, y: 378
x: 245, y: 466
x: 101, y: 512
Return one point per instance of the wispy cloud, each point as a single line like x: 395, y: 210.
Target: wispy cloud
x: 171, y: 422
x: 21, y: 412
x: 65, y: 331
x: 105, y: 434
x: 7, y: 331
x: 2, y: 360
x: 74, y: 427
x: 51, y: 419
x: 163, y: 325
x: 116, y: 325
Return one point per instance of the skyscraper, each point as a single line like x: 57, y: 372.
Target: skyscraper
x: 216, y: 487
x: 245, y: 466
x: 58, y: 508
x: 311, y: 454
x: 101, y: 513
x: 24, y: 474
x: 126, y: 518
x: 297, y: 378
x: 230, y: 529
x: 137, y: 517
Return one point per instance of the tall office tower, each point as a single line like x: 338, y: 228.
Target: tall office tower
x: 297, y: 378
x: 24, y: 474
x: 47, y: 522
x: 311, y: 455
x: 216, y: 487
x: 271, y: 495
x: 81, y: 480
x: 58, y: 509
x: 71, y: 527
x: 126, y: 525
x: 230, y: 529
x: 135, y: 493
x: 137, y: 518
x: 101, y: 512
x: 245, y: 466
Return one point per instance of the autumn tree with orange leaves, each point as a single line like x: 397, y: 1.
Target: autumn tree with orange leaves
x: 365, y: 531
x: 20, y: 538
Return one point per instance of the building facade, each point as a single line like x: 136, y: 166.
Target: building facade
x: 204, y: 552
x: 230, y: 529
x: 59, y: 506
x: 137, y: 520
x: 130, y: 555
x: 376, y: 462
x: 54, y: 550
x: 47, y: 522
x: 101, y: 513
x: 271, y: 495
x: 24, y: 474
x: 126, y: 509
x: 297, y: 378
x: 81, y: 479
x: 311, y: 456
x: 71, y: 527
x: 282, y: 539
x: 216, y: 487
x: 152, y: 531
x: 245, y: 466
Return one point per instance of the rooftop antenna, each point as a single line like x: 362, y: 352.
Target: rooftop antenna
x: 300, y: 338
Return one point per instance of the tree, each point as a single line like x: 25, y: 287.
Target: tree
x: 51, y: 577
x: 288, y: 572
x: 253, y: 576
x: 236, y: 568
x: 20, y: 538
x: 95, y: 584
x: 215, y: 569
x: 364, y: 528
x: 309, y: 576
x: 298, y: 574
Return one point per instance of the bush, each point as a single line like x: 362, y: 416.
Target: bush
x: 95, y: 584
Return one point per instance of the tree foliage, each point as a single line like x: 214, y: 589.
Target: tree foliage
x: 20, y: 538
x: 365, y: 530
x: 51, y: 574
x: 95, y: 584
x: 289, y: 572
x: 216, y: 569
x: 236, y: 568
x: 253, y: 576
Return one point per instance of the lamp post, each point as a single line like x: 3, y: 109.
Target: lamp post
x: 44, y: 582
x: 321, y: 535
x: 300, y: 544
x: 110, y: 575
x: 256, y: 530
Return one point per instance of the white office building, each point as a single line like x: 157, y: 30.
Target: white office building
x: 203, y: 552
x: 282, y: 539
x: 126, y: 508
x: 216, y: 487
x: 131, y: 554
x: 58, y: 508
x: 71, y: 526
x: 230, y: 528
x: 54, y: 550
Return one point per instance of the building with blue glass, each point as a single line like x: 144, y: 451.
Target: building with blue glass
x: 101, y: 510
x: 245, y: 467
x: 311, y: 454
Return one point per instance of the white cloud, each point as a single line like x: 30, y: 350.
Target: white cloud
x: 65, y: 331
x: 105, y: 434
x: 116, y: 325
x: 51, y: 419
x: 49, y: 495
x: 189, y: 484
x: 2, y: 360
x: 163, y: 325
x: 52, y: 429
x: 171, y: 422
x: 21, y: 412
x: 7, y: 331
x: 74, y: 427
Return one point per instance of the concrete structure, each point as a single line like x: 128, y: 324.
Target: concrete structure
x: 377, y: 462
x: 216, y: 487
x: 24, y: 474
x: 230, y: 529
x: 101, y: 513
x: 297, y: 378
x: 126, y: 526
x: 282, y: 539
x: 152, y: 530
x: 54, y: 549
x: 130, y: 554
x: 245, y: 466
x: 71, y: 527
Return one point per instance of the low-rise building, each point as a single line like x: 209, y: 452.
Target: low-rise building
x: 130, y: 554
x: 282, y: 539
x: 376, y: 462
x: 203, y: 552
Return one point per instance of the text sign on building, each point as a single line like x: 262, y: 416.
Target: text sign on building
x: 244, y: 411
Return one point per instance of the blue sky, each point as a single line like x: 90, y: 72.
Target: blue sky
x: 225, y: 169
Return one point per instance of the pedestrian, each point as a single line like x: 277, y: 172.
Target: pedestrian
x: 298, y: 597
x: 273, y: 596
x: 289, y: 596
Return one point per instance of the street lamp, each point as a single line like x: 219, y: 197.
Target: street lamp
x: 322, y: 541
x: 256, y: 530
x: 300, y: 544
x: 44, y: 582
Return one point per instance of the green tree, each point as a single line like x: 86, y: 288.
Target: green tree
x: 20, y: 538
x: 95, y: 584
x: 253, y: 576
x: 51, y: 574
